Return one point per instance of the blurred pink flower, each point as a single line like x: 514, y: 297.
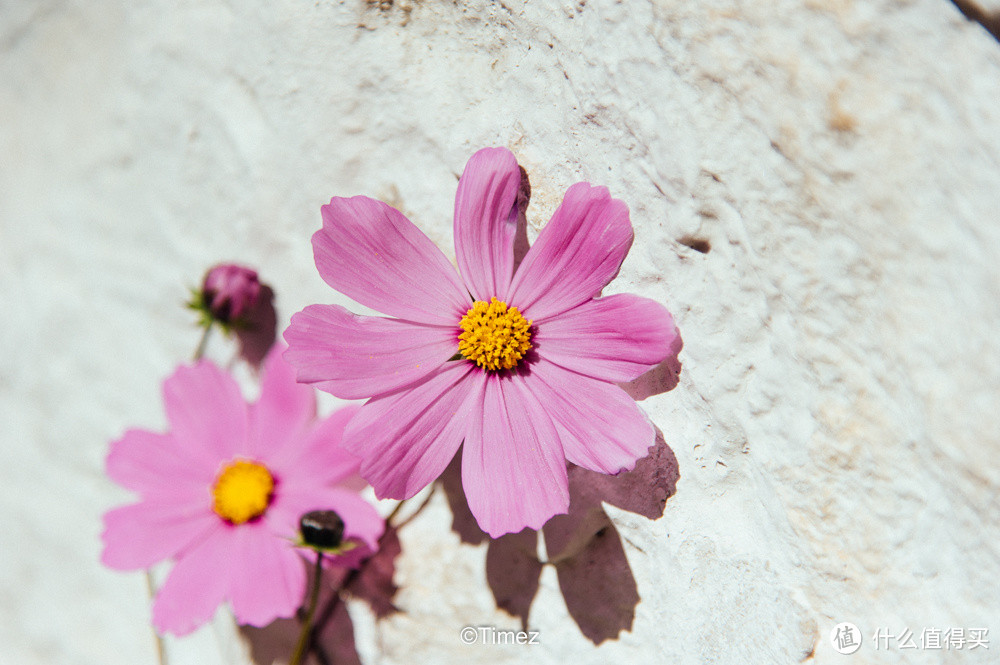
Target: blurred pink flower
x: 222, y: 493
x: 230, y: 291
x: 520, y: 366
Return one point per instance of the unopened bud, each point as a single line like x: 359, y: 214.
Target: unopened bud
x: 229, y: 292
x: 322, y: 528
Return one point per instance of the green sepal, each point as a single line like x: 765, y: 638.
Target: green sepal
x: 344, y: 547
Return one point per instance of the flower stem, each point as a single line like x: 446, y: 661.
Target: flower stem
x: 200, y: 351
x: 336, y: 599
x: 161, y: 654
x: 399, y: 506
x: 302, y: 646
x: 395, y: 511
x: 420, y: 509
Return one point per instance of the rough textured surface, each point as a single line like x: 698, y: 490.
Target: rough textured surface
x: 814, y: 188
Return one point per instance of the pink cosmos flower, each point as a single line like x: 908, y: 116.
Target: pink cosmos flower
x: 223, y: 491
x: 521, y: 366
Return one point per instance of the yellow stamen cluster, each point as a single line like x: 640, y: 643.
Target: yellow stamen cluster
x: 493, y: 335
x: 242, y: 491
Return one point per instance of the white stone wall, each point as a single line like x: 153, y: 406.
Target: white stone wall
x: 834, y: 423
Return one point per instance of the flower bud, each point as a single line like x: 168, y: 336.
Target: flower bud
x: 229, y: 292
x: 322, y: 529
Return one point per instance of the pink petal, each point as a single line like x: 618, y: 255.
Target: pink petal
x: 485, y: 221
x: 513, y: 470
x: 268, y: 580
x: 361, y: 520
x: 317, y: 459
x: 615, y: 338
x: 196, y: 586
x: 600, y: 426
x: 284, y: 409
x: 139, y: 535
x: 356, y: 357
x: 149, y: 463
x: 406, y: 439
x: 354, y: 482
x: 370, y: 252
x: 577, y: 253
x: 207, y: 414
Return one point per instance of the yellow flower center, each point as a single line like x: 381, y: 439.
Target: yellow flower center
x: 242, y: 491
x: 493, y: 335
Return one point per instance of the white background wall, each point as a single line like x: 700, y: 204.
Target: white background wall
x: 835, y: 420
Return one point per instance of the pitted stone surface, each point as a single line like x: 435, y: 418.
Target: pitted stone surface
x: 814, y: 191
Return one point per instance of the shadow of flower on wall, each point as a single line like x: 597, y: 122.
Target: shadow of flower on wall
x: 333, y: 635
x: 257, y: 335
x: 584, y: 546
x: 660, y: 379
x: 334, y: 644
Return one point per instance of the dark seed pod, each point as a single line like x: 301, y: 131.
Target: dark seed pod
x: 322, y: 528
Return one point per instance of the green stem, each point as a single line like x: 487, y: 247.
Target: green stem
x: 302, y: 646
x: 345, y: 584
x: 335, y: 600
x: 399, y: 506
x: 200, y: 351
x: 161, y: 654
x: 420, y: 509
x: 395, y: 511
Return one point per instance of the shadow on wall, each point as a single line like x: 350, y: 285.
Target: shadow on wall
x: 333, y: 635
x: 584, y: 546
x: 256, y: 337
